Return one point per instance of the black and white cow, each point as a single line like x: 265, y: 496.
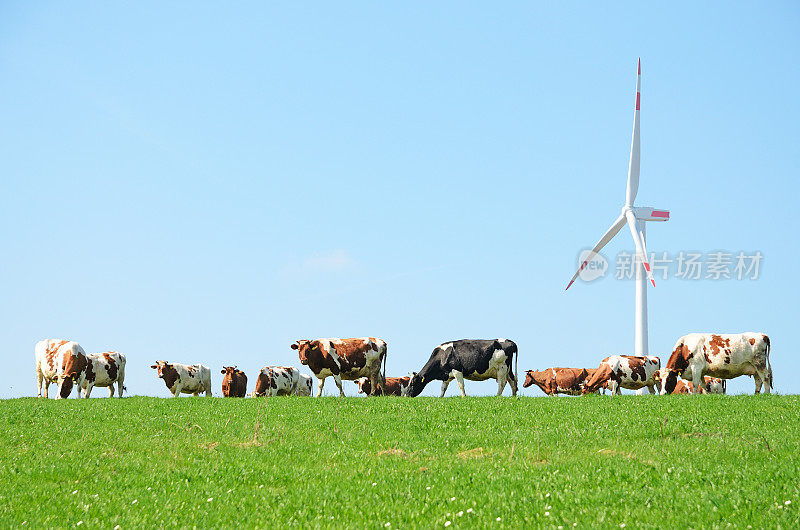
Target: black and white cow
x: 473, y: 359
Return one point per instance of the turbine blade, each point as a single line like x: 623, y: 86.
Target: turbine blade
x: 633, y: 166
x: 608, y: 236
x: 641, y: 250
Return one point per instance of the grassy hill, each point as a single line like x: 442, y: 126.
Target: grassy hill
x: 392, y: 462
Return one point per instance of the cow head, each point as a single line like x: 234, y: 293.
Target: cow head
x: 540, y: 379
x: 416, y: 384
x: 73, y: 368
x: 364, y: 386
x: 65, y: 384
x: 161, y: 367
x: 305, y: 348
x: 676, y: 367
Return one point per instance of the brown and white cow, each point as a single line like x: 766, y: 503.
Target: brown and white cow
x: 103, y: 370
x: 711, y: 385
x: 277, y: 381
x: 554, y: 381
x: 395, y: 386
x: 603, y: 387
x: 184, y: 378
x: 234, y: 384
x: 62, y: 362
x: 625, y: 371
x: 724, y: 356
x: 347, y: 359
x: 304, y: 384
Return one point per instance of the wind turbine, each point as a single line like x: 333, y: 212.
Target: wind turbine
x: 635, y: 218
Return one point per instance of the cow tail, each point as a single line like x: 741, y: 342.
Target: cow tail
x: 516, y: 364
x: 383, y: 376
x: 769, y: 366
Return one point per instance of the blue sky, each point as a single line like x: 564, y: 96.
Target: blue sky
x: 203, y: 183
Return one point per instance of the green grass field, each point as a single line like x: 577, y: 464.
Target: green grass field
x: 675, y: 461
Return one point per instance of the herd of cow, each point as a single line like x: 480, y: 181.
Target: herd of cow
x: 699, y: 363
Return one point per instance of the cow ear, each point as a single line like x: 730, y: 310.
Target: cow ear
x: 222, y: 372
x: 294, y: 346
x: 154, y: 366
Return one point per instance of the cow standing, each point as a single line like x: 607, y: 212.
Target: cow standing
x: 234, y: 384
x: 277, y: 381
x: 62, y: 362
x: 554, y: 381
x: 105, y: 369
x: 724, y: 356
x: 347, y: 359
x: 184, y: 378
x: 625, y: 371
x: 395, y: 386
x: 473, y: 359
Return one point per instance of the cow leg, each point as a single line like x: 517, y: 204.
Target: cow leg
x: 767, y: 383
x: 460, y: 381
x: 762, y: 374
x: 374, y: 390
x: 697, y: 382
x: 45, y: 388
x: 338, y: 379
x: 651, y: 389
x: 612, y: 386
x: 502, y: 377
x: 445, y: 383
x: 757, y: 379
x: 321, y: 384
x: 39, y: 379
x: 111, y: 390
x: 88, y: 391
x: 513, y: 382
x: 177, y: 391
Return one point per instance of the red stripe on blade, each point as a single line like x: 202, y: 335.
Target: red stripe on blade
x: 637, y: 101
x: 660, y: 213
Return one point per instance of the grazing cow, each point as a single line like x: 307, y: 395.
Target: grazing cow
x: 303, y: 385
x: 476, y: 360
x: 554, y: 381
x: 347, y: 359
x: 602, y: 388
x: 395, y: 386
x: 711, y: 385
x: 625, y: 371
x: 184, y: 378
x: 105, y: 369
x: 234, y: 384
x: 277, y: 381
x: 62, y: 362
x: 722, y: 356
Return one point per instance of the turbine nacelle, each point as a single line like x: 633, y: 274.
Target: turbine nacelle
x: 645, y: 213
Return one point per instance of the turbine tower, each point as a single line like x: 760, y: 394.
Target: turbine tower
x: 635, y: 218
